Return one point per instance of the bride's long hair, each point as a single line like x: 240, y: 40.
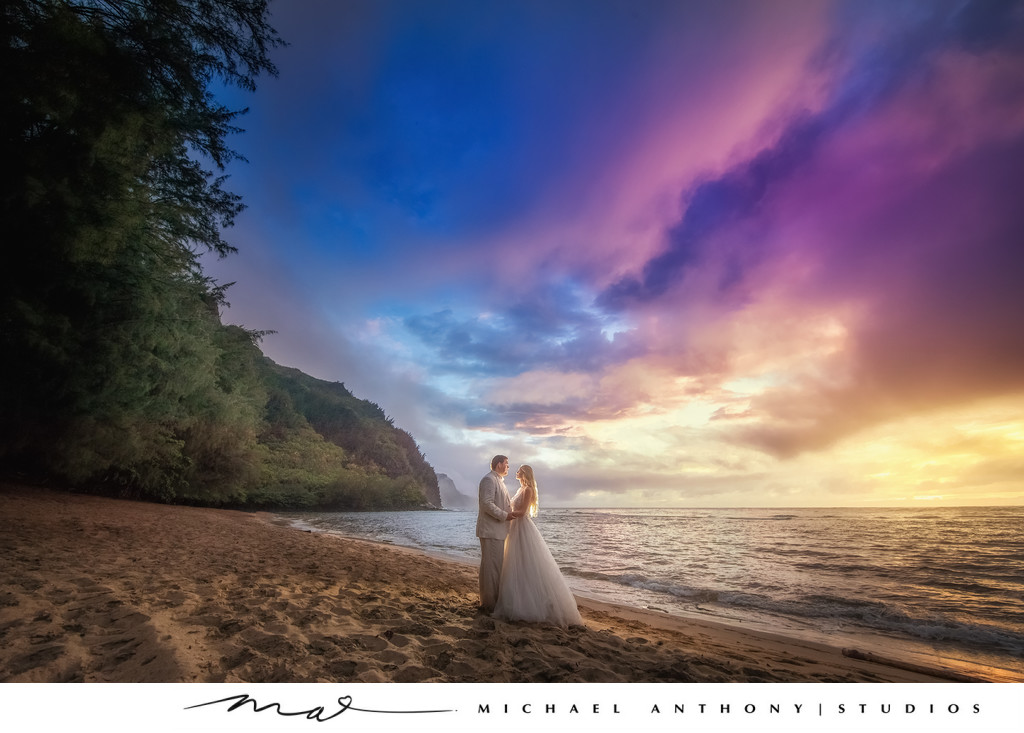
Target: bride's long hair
x: 530, y: 485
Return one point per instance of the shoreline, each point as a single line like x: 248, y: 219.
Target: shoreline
x: 99, y: 589
x: 867, y: 650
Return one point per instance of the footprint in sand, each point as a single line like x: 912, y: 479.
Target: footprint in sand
x: 340, y: 610
x: 36, y: 658
x: 237, y: 658
x: 414, y: 629
x: 414, y: 673
x: 172, y: 599
x: 390, y: 656
x: 398, y: 640
x: 370, y: 643
x: 341, y: 669
x: 270, y: 645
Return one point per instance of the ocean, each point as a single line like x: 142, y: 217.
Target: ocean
x: 939, y: 586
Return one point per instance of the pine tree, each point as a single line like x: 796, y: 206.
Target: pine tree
x: 113, y: 356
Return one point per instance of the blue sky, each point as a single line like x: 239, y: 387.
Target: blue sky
x: 685, y: 254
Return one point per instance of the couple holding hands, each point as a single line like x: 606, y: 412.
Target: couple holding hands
x: 519, y: 579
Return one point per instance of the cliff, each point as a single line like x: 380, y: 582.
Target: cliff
x: 451, y: 497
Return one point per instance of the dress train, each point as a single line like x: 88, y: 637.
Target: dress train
x: 532, y: 587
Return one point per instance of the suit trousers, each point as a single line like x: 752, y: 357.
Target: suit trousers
x: 492, y: 553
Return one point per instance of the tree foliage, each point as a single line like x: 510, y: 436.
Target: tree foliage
x: 382, y: 467
x: 116, y: 369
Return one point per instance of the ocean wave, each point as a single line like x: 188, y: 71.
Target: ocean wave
x: 306, y: 526
x: 770, y: 518
x: 876, y: 615
x: 642, y: 582
x: 961, y: 586
x: 886, y: 617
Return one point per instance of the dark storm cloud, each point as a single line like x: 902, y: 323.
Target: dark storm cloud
x: 868, y: 77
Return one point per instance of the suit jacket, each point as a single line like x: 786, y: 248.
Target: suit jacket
x: 494, y: 508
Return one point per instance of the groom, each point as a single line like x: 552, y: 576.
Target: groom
x: 492, y: 529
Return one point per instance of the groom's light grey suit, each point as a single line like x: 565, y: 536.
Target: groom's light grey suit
x: 492, y: 529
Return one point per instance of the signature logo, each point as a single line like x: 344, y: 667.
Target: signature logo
x: 318, y: 713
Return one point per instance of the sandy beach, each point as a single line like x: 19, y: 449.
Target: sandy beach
x: 102, y: 590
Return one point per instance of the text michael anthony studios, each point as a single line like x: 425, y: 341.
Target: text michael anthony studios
x: 738, y: 708
x: 878, y: 706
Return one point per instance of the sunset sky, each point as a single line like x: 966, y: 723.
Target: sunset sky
x: 668, y: 253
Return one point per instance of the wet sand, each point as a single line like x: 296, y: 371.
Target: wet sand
x: 102, y: 590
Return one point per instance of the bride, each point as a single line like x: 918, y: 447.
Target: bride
x: 532, y: 587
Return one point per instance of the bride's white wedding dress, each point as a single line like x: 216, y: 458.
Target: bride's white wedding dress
x: 532, y: 587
